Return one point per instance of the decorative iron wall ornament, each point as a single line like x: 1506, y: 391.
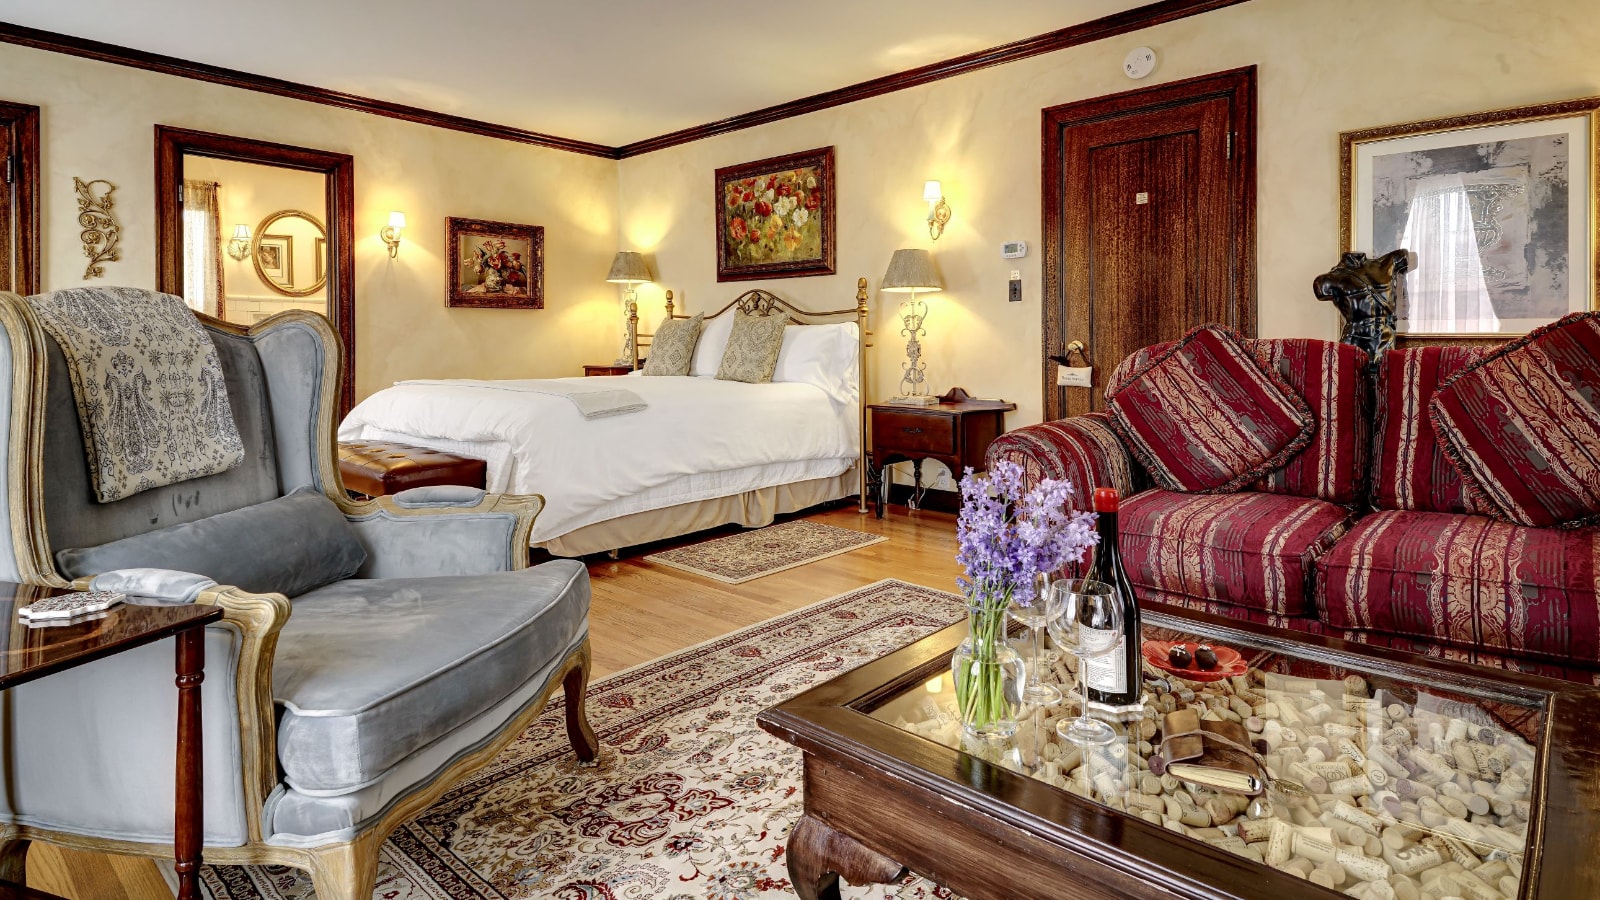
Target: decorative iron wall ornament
x: 102, y: 233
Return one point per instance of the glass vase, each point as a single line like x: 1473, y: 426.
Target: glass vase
x: 989, y: 676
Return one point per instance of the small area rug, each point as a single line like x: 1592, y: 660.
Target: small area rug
x: 691, y: 799
x: 742, y: 557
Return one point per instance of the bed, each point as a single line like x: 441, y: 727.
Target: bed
x: 703, y: 453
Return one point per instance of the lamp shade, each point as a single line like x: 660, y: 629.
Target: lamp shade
x: 241, y: 232
x: 911, y: 270
x: 397, y: 220
x: 628, y: 268
x: 932, y: 191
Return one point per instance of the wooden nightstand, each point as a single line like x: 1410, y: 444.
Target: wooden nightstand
x: 607, y: 369
x: 956, y: 432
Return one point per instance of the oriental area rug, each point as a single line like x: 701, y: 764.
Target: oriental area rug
x: 743, y: 557
x: 691, y: 799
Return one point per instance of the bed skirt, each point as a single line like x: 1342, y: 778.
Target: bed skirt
x: 751, y: 509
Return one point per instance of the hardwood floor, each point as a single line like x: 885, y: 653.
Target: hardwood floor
x: 639, y: 611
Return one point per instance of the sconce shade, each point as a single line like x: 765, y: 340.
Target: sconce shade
x: 932, y: 192
x: 911, y: 270
x: 628, y: 268
x: 397, y: 220
x: 241, y: 232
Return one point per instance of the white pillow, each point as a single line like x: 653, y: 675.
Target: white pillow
x: 713, y: 341
x: 823, y: 355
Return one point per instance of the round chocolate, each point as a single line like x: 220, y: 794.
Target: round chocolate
x: 1179, y: 656
x: 1205, y: 658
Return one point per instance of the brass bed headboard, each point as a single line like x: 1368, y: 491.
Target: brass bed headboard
x: 762, y: 303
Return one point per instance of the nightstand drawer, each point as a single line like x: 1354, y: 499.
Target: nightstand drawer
x: 913, y: 432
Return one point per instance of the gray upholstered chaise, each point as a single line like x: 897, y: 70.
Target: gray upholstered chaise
x: 329, y: 717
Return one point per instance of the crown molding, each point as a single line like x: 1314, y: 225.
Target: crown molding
x: 1113, y: 25
x: 171, y: 65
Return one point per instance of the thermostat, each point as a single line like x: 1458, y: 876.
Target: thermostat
x: 1140, y: 61
x: 1013, y: 249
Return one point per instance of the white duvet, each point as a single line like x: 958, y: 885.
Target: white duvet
x: 698, y: 438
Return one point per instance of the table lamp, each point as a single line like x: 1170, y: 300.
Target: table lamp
x: 911, y: 271
x: 628, y: 269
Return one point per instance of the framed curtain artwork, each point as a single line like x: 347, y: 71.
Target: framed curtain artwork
x: 1497, y: 209
x: 775, y: 217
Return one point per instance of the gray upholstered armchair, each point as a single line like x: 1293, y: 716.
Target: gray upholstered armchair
x: 335, y: 705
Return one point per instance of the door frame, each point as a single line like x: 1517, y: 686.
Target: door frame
x: 1238, y: 86
x: 172, y: 144
x: 21, y: 121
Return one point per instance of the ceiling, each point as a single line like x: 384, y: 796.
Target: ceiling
x: 606, y: 71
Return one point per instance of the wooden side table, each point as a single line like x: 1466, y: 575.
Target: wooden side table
x: 27, y: 653
x: 608, y: 369
x: 957, y: 432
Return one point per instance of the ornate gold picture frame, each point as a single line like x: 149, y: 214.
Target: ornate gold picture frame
x: 1498, y: 210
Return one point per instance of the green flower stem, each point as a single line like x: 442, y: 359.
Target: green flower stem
x: 980, y: 685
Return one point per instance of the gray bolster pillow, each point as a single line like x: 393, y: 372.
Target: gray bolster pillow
x: 288, y: 546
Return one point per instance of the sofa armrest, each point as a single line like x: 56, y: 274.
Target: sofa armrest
x: 432, y: 531
x: 1083, y: 450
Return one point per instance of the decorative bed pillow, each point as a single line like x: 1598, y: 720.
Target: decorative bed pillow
x: 672, y: 349
x: 1205, y: 416
x: 1522, y: 425
x: 823, y: 356
x: 753, y: 347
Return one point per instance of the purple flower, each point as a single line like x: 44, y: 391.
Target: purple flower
x: 1007, y: 536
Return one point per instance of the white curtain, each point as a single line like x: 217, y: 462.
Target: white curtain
x: 202, y: 248
x: 1446, y: 290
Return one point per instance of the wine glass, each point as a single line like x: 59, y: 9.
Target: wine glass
x: 1089, y: 623
x: 1036, y: 616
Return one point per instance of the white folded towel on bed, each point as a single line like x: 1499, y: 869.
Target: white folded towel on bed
x: 593, y: 402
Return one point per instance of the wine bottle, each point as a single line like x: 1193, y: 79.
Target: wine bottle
x: 1114, y: 679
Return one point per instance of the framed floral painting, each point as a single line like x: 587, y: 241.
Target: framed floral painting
x: 775, y: 217
x: 494, y: 265
x: 1494, y: 209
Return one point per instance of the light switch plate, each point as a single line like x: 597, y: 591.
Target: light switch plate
x: 1075, y: 376
x: 1015, y: 292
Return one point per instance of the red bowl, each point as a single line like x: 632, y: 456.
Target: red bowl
x: 1229, y: 662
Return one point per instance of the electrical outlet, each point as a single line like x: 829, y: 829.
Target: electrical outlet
x: 1015, y: 295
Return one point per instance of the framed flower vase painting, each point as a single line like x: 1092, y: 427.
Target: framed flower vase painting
x: 1496, y: 210
x: 494, y: 265
x: 775, y: 217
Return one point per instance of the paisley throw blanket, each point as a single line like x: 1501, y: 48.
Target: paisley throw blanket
x: 149, y: 386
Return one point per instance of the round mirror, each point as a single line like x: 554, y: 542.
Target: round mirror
x: 290, y: 249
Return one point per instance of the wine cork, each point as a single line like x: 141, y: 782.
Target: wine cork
x: 1320, y: 876
x: 1280, y: 844
x: 1344, y: 812
x: 1472, y: 887
x: 1254, y: 830
x: 1146, y: 802
x: 1340, y: 730
x: 1404, y: 888
x: 1309, y: 778
x: 1451, y: 805
x: 1364, y: 867
x: 1336, y: 770
x: 1410, y: 860
x: 1354, y: 786
x: 1461, y: 752
x: 1313, y: 848
x: 1348, y: 749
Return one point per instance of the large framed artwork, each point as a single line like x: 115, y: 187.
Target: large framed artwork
x: 775, y: 217
x: 494, y: 265
x: 1497, y: 209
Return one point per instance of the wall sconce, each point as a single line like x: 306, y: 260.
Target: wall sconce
x: 938, y: 210
x: 391, y: 232
x: 628, y: 268
x: 239, y: 245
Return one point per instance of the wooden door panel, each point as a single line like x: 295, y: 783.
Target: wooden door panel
x: 1121, y: 274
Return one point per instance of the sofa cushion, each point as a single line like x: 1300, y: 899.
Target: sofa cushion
x: 288, y: 546
x: 1410, y: 471
x: 369, y: 671
x: 1522, y: 426
x: 1249, y: 549
x: 1206, y: 416
x: 1467, y: 581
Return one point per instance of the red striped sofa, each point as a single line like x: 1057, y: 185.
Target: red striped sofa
x: 1367, y: 534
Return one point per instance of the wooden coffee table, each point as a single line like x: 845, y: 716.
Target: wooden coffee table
x: 887, y: 790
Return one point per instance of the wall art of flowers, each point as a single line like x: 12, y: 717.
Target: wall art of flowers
x: 495, y: 264
x: 775, y: 217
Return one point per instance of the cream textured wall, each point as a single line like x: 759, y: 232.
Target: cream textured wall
x: 98, y: 122
x: 1324, y: 67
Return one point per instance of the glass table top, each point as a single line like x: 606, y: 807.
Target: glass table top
x: 1373, y: 786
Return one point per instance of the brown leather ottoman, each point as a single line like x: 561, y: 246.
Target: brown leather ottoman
x: 380, y: 468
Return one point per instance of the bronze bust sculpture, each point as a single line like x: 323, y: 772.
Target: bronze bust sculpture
x: 1367, y: 292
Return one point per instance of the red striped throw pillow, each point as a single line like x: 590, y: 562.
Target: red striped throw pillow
x: 1522, y: 425
x: 1205, y: 416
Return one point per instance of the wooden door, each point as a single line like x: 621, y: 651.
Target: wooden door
x: 1149, y: 223
x: 19, y: 198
